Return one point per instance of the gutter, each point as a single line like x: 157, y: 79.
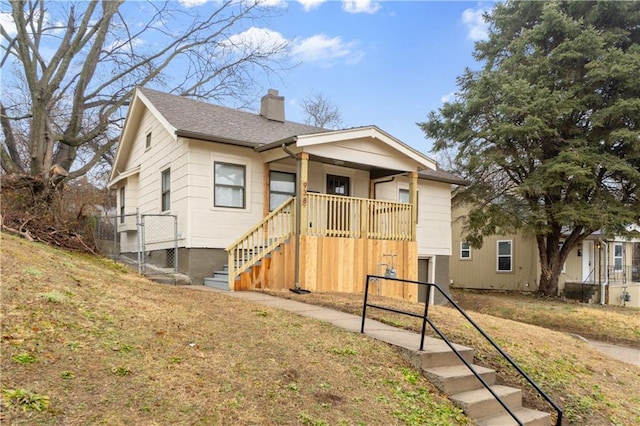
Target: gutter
x: 298, y: 227
x: 281, y: 143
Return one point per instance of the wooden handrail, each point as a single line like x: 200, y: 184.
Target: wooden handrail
x: 261, y: 240
x: 351, y: 217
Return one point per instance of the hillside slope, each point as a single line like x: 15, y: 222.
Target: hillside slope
x: 87, y: 341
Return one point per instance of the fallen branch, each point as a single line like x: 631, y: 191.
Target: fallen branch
x: 24, y: 234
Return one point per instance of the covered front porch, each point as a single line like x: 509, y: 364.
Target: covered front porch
x: 607, y: 271
x: 328, y: 222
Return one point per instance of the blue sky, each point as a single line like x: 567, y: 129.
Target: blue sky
x: 387, y: 63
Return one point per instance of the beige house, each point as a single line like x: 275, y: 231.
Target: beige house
x: 600, y: 270
x: 262, y: 202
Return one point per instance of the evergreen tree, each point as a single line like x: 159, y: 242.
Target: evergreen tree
x: 548, y: 130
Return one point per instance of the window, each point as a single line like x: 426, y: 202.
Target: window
x: 148, y: 143
x: 617, y: 257
x: 338, y: 185
x: 282, y: 186
x: 403, y: 197
x: 465, y: 250
x: 166, y: 190
x: 505, y: 254
x: 229, y: 185
x: 122, y: 205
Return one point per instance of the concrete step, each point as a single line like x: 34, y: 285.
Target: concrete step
x: 480, y: 403
x: 526, y: 416
x: 458, y: 378
x: 221, y: 274
x: 220, y: 284
x: 436, y: 353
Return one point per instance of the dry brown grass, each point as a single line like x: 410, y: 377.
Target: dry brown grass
x: 613, y: 324
x: 592, y: 388
x: 108, y: 347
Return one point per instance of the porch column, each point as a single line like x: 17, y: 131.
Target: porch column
x: 413, y: 200
x: 303, y: 179
x: 301, y: 210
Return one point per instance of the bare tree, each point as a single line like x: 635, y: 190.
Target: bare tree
x: 75, y: 65
x: 321, y: 111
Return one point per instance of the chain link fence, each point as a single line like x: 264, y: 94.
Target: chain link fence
x: 149, y: 241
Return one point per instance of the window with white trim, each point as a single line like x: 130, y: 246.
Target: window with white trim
x: 404, y: 197
x: 148, y: 141
x: 282, y: 186
x: 465, y: 250
x: 505, y: 256
x: 122, y: 194
x: 166, y: 190
x: 618, y: 255
x: 229, y: 185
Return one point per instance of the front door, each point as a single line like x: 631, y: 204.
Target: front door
x: 338, y: 210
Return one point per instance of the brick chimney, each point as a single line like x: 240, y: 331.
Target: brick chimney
x: 272, y: 106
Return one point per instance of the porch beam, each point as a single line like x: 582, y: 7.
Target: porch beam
x: 413, y: 200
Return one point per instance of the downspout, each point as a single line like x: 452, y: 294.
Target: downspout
x: 296, y: 275
x: 381, y: 181
x: 606, y: 271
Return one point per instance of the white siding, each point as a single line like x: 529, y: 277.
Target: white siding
x: 363, y: 151
x: 144, y: 189
x: 434, y: 213
x: 217, y: 227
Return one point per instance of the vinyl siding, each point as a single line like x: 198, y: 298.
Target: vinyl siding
x: 217, y: 227
x: 480, y: 272
x: 434, y: 213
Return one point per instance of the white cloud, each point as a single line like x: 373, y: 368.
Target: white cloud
x: 6, y: 20
x: 192, y: 3
x: 325, y: 50
x: 448, y: 97
x: 307, y: 5
x: 260, y: 39
x: 477, y: 28
x: 360, y: 6
x: 273, y: 3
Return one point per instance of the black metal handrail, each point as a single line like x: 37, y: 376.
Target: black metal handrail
x: 426, y: 320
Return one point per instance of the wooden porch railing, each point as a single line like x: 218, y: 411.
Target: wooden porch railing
x: 261, y: 240
x: 349, y: 217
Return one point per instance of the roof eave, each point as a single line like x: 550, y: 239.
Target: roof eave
x: 213, y: 138
x: 452, y: 181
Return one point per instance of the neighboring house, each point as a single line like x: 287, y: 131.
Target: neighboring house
x: 283, y: 204
x: 599, y: 270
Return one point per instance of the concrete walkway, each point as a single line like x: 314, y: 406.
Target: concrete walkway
x: 621, y: 353
x: 403, y: 338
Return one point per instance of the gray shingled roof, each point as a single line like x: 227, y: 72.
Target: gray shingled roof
x: 440, y: 175
x: 218, y: 123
